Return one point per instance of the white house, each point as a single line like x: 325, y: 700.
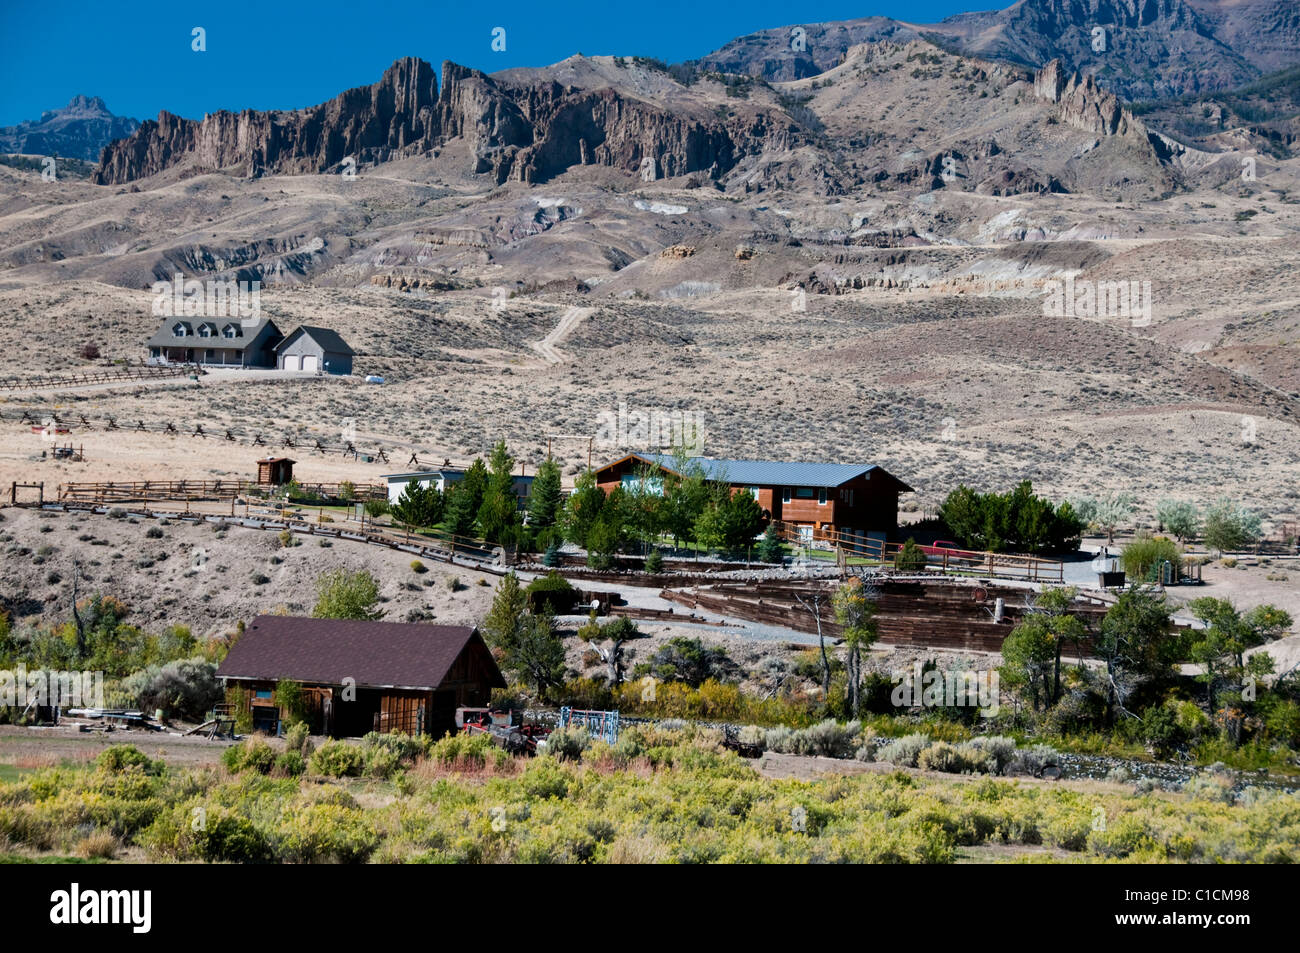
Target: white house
x: 442, y: 478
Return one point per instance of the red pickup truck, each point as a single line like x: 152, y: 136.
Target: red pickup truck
x: 938, y: 547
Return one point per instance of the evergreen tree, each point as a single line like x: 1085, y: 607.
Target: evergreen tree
x: 740, y: 519
x: 583, y: 509
x: 418, y: 505
x: 498, y: 512
x: 770, y: 549
x: 544, y: 503
x: 528, y: 644
x: 465, y: 498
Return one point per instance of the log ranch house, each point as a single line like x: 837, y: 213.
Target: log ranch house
x: 230, y: 342
x: 359, y: 677
x: 815, y: 499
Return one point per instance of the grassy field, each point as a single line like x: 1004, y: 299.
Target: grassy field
x: 672, y: 796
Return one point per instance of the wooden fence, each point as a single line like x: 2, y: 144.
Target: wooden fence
x: 106, y: 376
x: 442, y: 547
x: 146, y: 491
x: 956, y: 561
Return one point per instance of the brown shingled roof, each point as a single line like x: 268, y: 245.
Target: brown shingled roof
x: 326, y: 651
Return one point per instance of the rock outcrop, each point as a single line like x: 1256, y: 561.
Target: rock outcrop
x: 1082, y: 103
x: 525, y: 132
x: 396, y: 116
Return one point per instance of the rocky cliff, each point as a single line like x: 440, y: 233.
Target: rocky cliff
x: 1082, y: 103
x: 396, y: 116
x: 1140, y: 49
x: 522, y: 131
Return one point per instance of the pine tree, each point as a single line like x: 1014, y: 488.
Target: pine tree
x: 544, y: 504
x: 465, y: 499
x: 498, y: 512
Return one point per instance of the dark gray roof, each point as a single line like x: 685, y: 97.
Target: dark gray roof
x: 772, y: 472
x: 373, y: 654
x: 328, y: 340
x: 248, y: 334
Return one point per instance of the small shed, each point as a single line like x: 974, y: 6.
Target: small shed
x: 356, y: 677
x: 275, y: 471
x: 314, y: 349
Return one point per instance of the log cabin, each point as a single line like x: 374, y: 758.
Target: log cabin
x: 817, y: 498
x: 357, y: 677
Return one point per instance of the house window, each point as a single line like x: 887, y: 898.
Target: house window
x: 821, y: 497
x: 785, y: 494
x: 179, y: 330
x: 804, y: 492
x: 205, y: 330
x: 262, y: 695
x: 231, y: 331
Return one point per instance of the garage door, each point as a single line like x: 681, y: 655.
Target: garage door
x: 310, y: 362
x: 292, y: 362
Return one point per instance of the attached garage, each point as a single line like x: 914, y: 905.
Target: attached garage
x: 314, y: 350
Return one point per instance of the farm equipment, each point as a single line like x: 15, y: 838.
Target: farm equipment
x: 599, y: 724
x: 506, y: 728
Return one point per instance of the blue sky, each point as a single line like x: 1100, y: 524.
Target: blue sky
x: 137, y: 56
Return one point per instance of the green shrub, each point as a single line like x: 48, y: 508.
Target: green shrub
x: 418, y: 567
x: 326, y: 833
x: 297, y: 737
x: 1033, y: 760
x: 568, y: 744
x: 910, y: 558
x: 654, y: 561
x: 905, y: 751
x: 551, y: 593
x: 338, y: 759
x: 123, y: 757
x: 404, y: 747
x: 999, y: 749
x: 467, y: 752
x: 1146, y: 554
x: 290, y: 764
x: 211, y: 833
x: 962, y: 758
x: 251, y: 754
x: 381, y: 763
x: 187, y: 688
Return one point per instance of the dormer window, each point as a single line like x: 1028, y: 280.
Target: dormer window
x: 207, y: 330
x: 231, y: 331
x: 180, y: 329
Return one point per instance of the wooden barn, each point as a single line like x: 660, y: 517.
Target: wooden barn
x: 358, y: 677
x: 815, y: 497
